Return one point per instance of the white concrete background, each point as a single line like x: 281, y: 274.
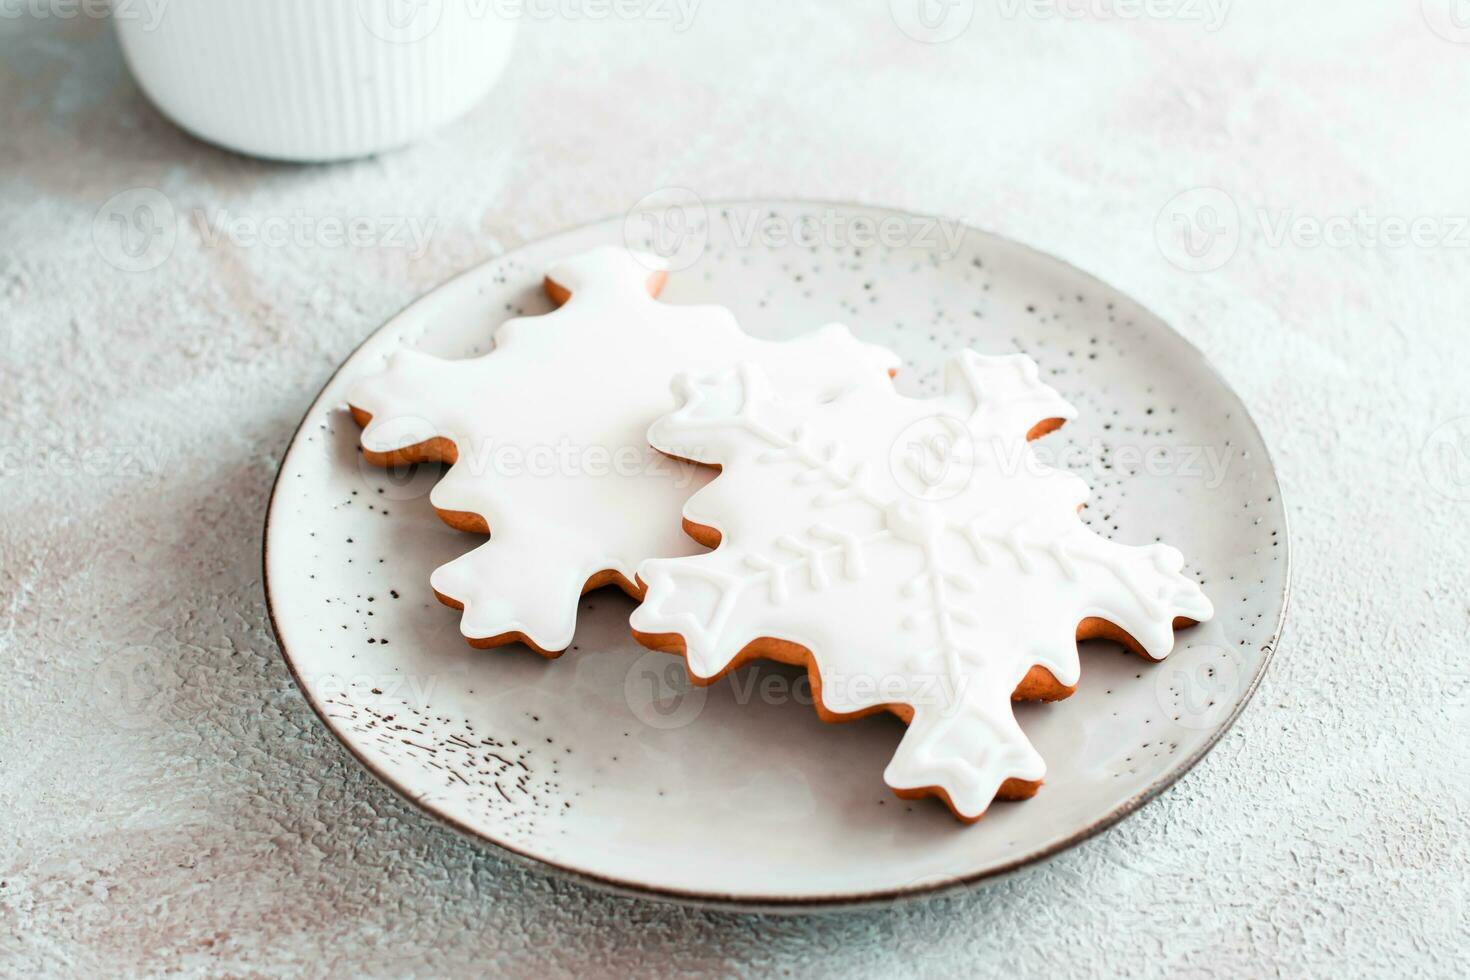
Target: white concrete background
x: 169, y: 803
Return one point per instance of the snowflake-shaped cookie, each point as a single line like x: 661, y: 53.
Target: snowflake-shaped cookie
x: 547, y: 437
x: 914, y: 554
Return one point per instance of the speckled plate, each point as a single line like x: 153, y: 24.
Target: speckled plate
x: 605, y: 764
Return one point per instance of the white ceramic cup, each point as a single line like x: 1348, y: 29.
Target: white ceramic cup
x: 314, y: 79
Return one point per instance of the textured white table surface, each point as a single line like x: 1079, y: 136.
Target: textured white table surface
x: 168, y: 801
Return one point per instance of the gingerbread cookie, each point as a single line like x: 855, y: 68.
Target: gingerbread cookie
x: 912, y: 553
x: 546, y: 434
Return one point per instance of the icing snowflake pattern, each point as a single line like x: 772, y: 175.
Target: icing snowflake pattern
x: 916, y: 549
x: 547, y: 436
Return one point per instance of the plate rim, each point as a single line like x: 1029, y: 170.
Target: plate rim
x: 790, y: 903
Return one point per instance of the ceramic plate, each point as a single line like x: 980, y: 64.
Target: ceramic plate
x: 605, y: 763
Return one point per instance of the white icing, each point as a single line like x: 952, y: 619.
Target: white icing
x: 939, y: 593
x: 550, y: 428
